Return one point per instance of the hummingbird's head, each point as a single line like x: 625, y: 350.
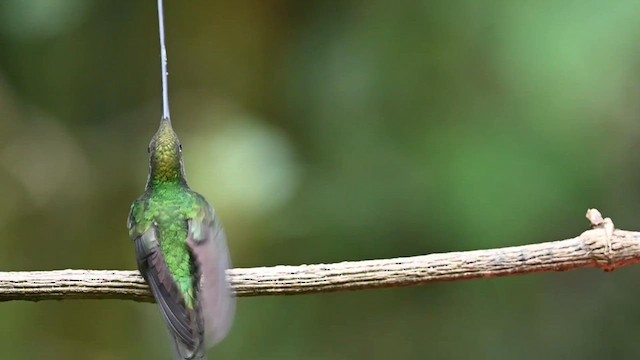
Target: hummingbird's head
x: 165, y: 156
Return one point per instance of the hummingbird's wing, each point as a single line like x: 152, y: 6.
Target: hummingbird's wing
x: 208, y: 245
x: 183, y: 323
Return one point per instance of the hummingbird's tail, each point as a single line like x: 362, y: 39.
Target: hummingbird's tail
x: 182, y: 352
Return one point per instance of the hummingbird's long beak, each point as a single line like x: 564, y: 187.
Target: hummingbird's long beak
x: 163, y: 55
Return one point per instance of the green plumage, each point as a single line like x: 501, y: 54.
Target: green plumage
x: 169, y: 206
x: 168, y: 203
x: 181, y: 251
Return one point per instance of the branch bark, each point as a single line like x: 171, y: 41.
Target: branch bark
x: 603, y: 248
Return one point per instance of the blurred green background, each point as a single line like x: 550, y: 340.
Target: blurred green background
x: 325, y: 131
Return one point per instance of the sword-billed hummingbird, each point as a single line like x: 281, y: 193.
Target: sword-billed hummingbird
x: 180, y: 245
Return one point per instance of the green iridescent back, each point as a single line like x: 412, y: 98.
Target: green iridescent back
x: 168, y: 206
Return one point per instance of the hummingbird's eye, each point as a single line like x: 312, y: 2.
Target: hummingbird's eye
x: 180, y: 147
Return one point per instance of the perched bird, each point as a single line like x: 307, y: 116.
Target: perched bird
x: 180, y: 245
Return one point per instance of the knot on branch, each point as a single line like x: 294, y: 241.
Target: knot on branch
x: 600, y: 246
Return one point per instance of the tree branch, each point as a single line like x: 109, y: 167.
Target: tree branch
x: 602, y: 247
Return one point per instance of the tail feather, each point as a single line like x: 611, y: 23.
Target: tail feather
x: 182, y: 352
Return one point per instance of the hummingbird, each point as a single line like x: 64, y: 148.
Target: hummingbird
x: 180, y: 245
